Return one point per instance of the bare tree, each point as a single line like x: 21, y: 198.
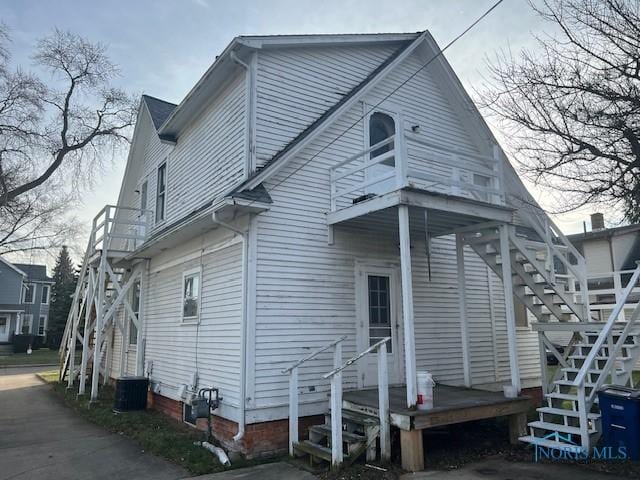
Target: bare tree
x: 571, y: 108
x: 54, y: 135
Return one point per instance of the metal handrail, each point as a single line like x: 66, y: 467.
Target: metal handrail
x: 314, y: 354
x: 357, y: 357
x: 606, y: 331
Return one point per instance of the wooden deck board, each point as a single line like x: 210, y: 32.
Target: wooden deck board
x: 451, y: 405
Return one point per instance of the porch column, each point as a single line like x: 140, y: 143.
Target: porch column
x: 462, y: 302
x: 407, y: 306
x: 507, y: 282
x: 140, y: 339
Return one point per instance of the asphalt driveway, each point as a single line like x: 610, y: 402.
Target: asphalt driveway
x: 40, y: 438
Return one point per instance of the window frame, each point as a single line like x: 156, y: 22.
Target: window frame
x: 43, y: 324
x: 186, y: 274
x: 45, y: 288
x: 395, y: 112
x: 33, y: 295
x: 26, y: 316
x: 163, y: 167
x: 131, y: 326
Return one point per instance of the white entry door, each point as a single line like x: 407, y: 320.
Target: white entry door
x: 4, y: 328
x: 378, y: 316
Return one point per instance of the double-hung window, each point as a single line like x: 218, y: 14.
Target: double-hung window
x: 27, y: 324
x: 42, y: 325
x: 29, y: 293
x: 135, y: 306
x: 161, y: 192
x: 191, y: 295
x: 45, y: 295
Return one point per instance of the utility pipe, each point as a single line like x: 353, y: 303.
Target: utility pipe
x: 243, y: 329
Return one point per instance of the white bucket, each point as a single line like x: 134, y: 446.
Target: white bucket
x: 425, y: 391
x: 510, y: 391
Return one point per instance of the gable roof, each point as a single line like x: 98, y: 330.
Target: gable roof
x: 13, y: 267
x: 158, y: 109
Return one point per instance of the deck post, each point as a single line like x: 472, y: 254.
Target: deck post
x: 383, y: 404
x: 512, y: 340
x: 89, y: 305
x: 293, y: 409
x: 407, y: 306
x: 140, y: 344
x: 462, y: 302
x: 336, y: 410
x: 412, y: 450
x: 97, y: 346
x: 517, y: 427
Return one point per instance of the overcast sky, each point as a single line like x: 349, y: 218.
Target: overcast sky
x: 163, y: 47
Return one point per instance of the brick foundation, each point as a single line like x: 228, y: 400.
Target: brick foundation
x: 537, y: 398
x: 263, y: 439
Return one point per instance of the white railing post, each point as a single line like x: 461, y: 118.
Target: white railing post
x: 617, y: 290
x: 293, y: 409
x: 401, y: 159
x: 336, y: 410
x: 583, y: 418
x: 383, y: 404
x: 543, y: 363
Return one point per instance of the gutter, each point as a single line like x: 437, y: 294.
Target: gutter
x: 243, y: 341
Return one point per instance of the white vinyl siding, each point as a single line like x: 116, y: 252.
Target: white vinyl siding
x: 297, y: 85
x: 306, y: 296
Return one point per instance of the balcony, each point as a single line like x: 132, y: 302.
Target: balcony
x: 119, y: 231
x: 408, y: 169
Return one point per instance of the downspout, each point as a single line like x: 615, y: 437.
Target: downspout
x: 243, y: 328
x: 249, y: 163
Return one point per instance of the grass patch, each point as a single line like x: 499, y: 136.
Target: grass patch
x: 156, y: 433
x: 50, y: 376
x: 43, y: 356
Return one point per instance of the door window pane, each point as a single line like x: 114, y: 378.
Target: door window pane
x: 379, y: 309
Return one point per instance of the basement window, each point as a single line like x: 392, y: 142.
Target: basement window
x: 191, y: 296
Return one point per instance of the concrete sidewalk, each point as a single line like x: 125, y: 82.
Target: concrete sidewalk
x: 495, y: 468
x: 269, y: 471
x: 40, y: 438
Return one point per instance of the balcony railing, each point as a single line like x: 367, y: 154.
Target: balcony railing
x: 409, y: 160
x: 119, y: 229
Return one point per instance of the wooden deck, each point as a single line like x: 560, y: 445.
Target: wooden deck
x: 450, y: 405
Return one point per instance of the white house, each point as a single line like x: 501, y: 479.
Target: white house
x: 312, y: 191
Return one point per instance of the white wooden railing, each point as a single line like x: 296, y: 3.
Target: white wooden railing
x: 585, y: 401
x: 293, y: 385
x: 383, y: 402
x: 411, y: 160
x: 119, y: 228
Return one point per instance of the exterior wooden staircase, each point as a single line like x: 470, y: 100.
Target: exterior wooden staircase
x: 359, y: 434
x: 598, y: 353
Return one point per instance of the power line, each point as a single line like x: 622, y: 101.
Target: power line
x: 386, y: 97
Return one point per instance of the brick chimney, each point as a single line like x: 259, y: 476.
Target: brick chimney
x: 597, y: 221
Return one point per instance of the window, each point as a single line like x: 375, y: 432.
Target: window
x: 27, y: 324
x: 135, y: 306
x: 191, y: 295
x: 379, y: 309
x: 161, y: 192
x: 381, y: 127
x: 45, y: 295
x: 42, y: 325
x: 29, y: 293
x: 143, y: 195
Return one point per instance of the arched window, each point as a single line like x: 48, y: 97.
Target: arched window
x: 381, y: 127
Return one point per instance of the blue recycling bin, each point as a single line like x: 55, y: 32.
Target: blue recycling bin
x: 620, y: 409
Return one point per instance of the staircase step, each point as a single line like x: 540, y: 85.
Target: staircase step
x: 582, y: 357
x: 325, y: 430
x: 566, y: 413
x: 556, y: 427
x: 562, y: 396
x: 357, y: 417
x: 548, y: 443
x: 569, y: 383
x: 313, y: 449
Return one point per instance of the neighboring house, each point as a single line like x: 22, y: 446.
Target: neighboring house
x: 311, y: 188
x: 11, y: 307
x: 25, y: 292
x: 611, y: 255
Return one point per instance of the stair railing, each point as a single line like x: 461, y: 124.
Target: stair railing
x: 606, y: 336
x: 548, y: 232
x: 383, y: 402
x: 293, y: 385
